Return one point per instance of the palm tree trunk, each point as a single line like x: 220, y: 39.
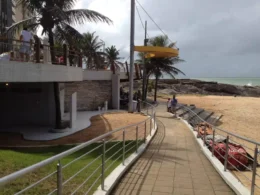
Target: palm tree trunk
x: 113, y: 67
x: 155, y: 88
x: 56, y: 88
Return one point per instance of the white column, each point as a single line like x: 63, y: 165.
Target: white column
x: 73, y: 110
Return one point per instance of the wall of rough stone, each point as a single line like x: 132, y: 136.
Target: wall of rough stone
x: 90, y: 94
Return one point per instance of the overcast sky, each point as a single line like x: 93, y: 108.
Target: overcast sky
x: 216, y: 38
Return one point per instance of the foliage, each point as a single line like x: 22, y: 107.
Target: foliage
x: 113, y: 56
x: 91, y: 46
x: 160, y: 66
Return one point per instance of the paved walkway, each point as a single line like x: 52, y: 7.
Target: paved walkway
x: 173, y: 164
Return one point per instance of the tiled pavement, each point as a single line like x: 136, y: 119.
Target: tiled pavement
x: 173, y: 164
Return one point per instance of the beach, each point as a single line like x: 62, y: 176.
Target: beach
x: 240, y: 116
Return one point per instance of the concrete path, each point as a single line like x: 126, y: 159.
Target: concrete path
x: 173, y: 164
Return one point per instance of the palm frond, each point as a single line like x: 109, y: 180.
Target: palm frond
x: 65, y: 32
x: 29, y: 23
x: 65, y: 4
x: 79, y: 16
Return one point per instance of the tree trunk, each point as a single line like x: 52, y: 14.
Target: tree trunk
x: 58, y: 124
x: 155, y: 88
x: 113, y: 67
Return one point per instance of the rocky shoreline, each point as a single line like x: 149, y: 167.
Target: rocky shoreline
x: 191, y: 86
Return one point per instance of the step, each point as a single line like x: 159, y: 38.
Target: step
x: 187, y: 111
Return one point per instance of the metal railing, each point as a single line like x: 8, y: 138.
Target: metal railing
x: 252, y: 147
x: 106, y: 151
x: 37, y: 52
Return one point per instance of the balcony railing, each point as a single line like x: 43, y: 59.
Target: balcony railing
x: 36, y: 52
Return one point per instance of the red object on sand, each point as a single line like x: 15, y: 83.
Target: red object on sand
x: 237, y: 155
x: 61, y: 60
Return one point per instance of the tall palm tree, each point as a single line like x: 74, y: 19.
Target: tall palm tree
x: 160, y: 66
x: 91, y: 47
x: 58, y: 16
x: 113, y: 56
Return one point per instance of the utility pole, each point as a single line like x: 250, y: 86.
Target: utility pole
x: 144, y: 65
x: 132, y: 41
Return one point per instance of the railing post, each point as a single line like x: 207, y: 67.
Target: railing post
x: 65, y: 55
x: 103, y: 166
x: 59, y: 178
x: 123, y: 147
x: 154, y: 120
x: 254, y: 171
x: 136, y: 139
x: 145, y: 132
x: 80, y: 60
x: 150, y: 126
x: 226, y: 154
x: 37, y: 51
x: 204, y: 136
x: 213, y: 143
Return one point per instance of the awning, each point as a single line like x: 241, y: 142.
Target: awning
x: 159, y: 52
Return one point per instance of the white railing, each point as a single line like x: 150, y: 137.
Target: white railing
x: 251, y: 146
x: 125, y: 140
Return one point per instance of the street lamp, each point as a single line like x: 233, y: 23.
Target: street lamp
x: 132, y: 37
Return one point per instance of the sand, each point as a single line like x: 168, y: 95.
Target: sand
x: 240, y: 116
x: 100, y: 124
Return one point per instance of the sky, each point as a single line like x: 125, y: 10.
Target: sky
x: 215, y: 38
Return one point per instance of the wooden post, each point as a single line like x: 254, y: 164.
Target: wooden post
x: 136, y: 71
x: 140, y: 71
x: 65, y: 56
x: 127, y: 71
x: 80, y: 60
x: 37, y: 50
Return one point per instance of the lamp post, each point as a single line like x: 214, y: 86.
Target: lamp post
x: 132, y: 37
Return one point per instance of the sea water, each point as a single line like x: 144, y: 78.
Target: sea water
x: 234, y: 81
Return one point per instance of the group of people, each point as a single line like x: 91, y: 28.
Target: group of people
x: 172, y: 104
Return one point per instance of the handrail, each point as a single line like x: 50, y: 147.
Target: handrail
x: 18, y: 174
x: 254, y: 159
x: 225, y: 131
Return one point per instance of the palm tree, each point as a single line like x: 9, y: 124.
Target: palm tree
x: 113, y: 56
x: 160, y: 66
x: 91, y: 47
x: 57, y: 16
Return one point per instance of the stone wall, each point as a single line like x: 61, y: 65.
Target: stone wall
x: 90, y: 94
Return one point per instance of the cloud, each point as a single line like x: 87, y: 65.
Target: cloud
x: 216, y: 38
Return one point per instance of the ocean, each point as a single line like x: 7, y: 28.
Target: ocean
x: 234, y: 81
x: 250, y: 81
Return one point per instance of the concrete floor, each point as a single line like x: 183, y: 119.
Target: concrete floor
x: 44, y: 133
x: 173, y: 164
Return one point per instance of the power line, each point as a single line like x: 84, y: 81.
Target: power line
x: 140, y: 19
x: 153, y: 20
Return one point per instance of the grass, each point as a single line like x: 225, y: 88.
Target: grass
x: 13, y: 160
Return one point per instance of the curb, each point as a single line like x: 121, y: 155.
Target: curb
x: 113, y: 178
x: 227, y: 176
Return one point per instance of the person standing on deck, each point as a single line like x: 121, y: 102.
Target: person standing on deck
x: 26, y: 39
x: 174, y: 103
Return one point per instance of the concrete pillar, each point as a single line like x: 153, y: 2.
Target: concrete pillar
x: 73, y: 110
x: 62, y: 98
x: 116, y: 91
